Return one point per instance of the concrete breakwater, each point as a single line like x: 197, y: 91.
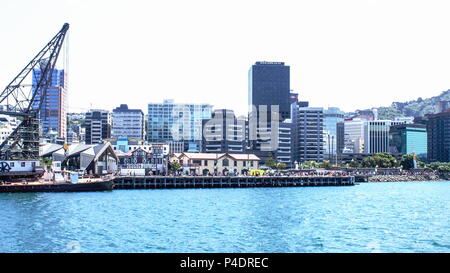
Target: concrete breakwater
x: 162, y: 182
x: 404, y: 178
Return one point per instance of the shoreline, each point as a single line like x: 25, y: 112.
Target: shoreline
x: 404, y: 178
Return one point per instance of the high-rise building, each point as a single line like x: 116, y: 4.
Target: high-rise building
x: 354, y: 136
x: 408, y: 138
x: 438, y: 129
x: 284, y: 151
x: 53, y: 114
x: 127, y: 123
x: 224, y: 133
x: 269, y: 99
x: 169, y: 121
x: 340, y: 137
x: 98, y: 126
x: 269, y: 85
x: 376, y: 135
x: 308, y: 136
x: 331, y: 117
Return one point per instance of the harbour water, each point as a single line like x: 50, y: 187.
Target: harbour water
x: 370, y: 217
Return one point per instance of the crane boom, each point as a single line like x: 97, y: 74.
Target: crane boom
x: 22, y: 101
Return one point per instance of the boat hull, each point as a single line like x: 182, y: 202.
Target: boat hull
x: 58, y: 187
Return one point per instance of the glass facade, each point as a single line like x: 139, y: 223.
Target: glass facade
x: 168, y: 121
x: 376, y: 135
x: 410, y: 138
x: 269, y: 84
x: 438, y: 128
x: 53, y: 113
x: 331, y: 117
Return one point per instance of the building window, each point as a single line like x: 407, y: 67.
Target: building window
x: 22, y: 164
x: 235, y: 163
x: 206, y: 162
x: 12, y: 164
x: 225, y: 162
x: 244, y: 163
x: 251, y: 163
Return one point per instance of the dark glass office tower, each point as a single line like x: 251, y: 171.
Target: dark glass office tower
x: 438, y: 129
x: 269, y: 84
x: 269, y: 136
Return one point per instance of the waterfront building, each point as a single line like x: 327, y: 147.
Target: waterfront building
x: 143, y: 159
x: 127, y: 122
x: 308, y: 137
x: 168, y: 122
x: 210, y: 163
x: 376, y: 135
x: 438, y: 129
x: 53, y: 113
x: 98, y: 126
x: 127, y: 144
x: 93, y: 159
x: 331, y: 117
x: 408, y: 138
x: 223, y: 133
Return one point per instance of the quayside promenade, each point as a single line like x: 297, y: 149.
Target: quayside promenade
x: 170, y: 182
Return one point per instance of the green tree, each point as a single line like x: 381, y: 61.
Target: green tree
x: 407, y: 161
x: 175, y: 166
x: 443, y: 167
x: 281, y: 166
x: 325, y: 164
x: 271, y: 163
x: 381, y: 160
x: 46, y: 162
x: 354, y: 164
x: 310, y: 165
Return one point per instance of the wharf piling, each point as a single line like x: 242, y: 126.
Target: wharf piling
x: 171, y: 182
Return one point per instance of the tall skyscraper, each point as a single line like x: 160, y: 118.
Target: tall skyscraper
x: 169, y: 121
x: 269, y: 99
x: 127, y: 122
x: 53, y: 114
x: 98, y: 126
x: 438, y: 128
x: 269, y: 84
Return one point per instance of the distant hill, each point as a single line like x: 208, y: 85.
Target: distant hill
x: 414, y: 108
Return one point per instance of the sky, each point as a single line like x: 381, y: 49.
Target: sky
x: 352, y: 54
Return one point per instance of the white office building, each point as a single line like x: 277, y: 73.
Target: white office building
x: 127, y: 123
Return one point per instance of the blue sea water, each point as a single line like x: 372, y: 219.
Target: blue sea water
x: 370, y: 217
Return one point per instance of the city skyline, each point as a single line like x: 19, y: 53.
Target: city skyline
x: 360, y: 57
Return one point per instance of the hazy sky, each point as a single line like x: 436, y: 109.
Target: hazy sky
x: 348, y: 53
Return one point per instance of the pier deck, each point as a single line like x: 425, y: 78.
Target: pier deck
x: 169, y: 182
